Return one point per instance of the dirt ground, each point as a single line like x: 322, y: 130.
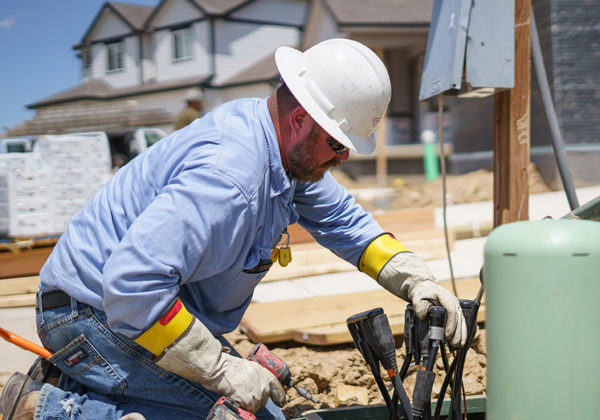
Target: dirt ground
x: 412, y: 191
x: 337, y: 376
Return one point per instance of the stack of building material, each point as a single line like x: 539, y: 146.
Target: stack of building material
x: 40, y: 191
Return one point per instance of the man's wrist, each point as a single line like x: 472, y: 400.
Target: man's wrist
x: 378, y: 252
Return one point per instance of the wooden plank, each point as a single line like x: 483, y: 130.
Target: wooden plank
x: 285, y: 320
x: 512, y: 130
x: 18, y: 286
x: 311, y: 259
x: 27, y: 262
x: 16, y: 301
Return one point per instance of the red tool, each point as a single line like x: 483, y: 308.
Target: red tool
x: 25, y: 343
x: 227, y: 409
x: 261, y: 355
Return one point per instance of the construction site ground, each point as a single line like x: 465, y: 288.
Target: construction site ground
x: 321, y: 358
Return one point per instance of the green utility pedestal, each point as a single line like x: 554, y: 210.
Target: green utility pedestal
x: 542, y: 284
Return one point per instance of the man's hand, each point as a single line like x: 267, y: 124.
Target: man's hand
x: 199, y: 357
x: 424, y: 293
x: 404, y: 274
x: 246, y: 382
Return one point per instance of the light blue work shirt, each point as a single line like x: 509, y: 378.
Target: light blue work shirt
x: 188, y: 216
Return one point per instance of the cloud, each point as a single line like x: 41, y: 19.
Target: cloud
x: 8, y: 22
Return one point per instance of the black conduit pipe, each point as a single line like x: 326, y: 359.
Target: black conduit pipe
x: 557, y: 140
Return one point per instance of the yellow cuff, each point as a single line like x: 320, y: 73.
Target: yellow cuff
x: 379, y: 252
x: 167, y: 329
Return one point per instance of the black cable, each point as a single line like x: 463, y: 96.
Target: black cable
x: 447, y: 379
x: 455, y: 403
x: 404, y: 368
x: 384, y: 392
x: 403, y: 396
x: 558, y: 144
x: 444, y: 205
x: 444, y: 357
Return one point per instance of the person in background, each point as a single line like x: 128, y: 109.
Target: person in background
x: 194, y: 109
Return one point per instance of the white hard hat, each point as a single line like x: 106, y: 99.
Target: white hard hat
x: 194, y: 95
x: 342, y: 85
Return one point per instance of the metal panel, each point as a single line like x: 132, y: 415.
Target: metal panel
x: 446, y: 42
x: 491, y: 44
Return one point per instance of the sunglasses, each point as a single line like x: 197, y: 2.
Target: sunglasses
x: 336, y: 146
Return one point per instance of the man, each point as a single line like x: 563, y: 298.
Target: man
x: 193, y: 110
x: 163, y: 261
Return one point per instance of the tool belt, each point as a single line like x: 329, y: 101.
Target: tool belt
x: 54, y: 299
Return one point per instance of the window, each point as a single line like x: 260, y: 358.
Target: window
x: 182, y: 44
x: 86, y: 59
x: 114, y: 56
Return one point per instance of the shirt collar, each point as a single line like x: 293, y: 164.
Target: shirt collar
x: 280, y: 183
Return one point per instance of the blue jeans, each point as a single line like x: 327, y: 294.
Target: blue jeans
x: 106, y: 375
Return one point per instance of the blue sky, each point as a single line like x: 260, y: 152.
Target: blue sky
x: 36, y: 50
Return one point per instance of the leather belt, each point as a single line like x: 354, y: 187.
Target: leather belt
x: 54, y: 299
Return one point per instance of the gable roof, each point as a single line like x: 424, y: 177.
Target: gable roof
x: 220, y: 7
x: 381, y: 12
x: 134, y: 16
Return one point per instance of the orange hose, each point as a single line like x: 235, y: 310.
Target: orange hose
x: 24, y: 343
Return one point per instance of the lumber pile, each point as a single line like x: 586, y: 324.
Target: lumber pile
x: 24, y: 256
x: 321, y: 320
x: 414, y: 228
x: 18, y: 292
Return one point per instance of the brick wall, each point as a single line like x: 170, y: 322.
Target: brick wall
x: 570, y: 37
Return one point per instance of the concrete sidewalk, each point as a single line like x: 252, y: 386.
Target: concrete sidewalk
x: 20, y: 321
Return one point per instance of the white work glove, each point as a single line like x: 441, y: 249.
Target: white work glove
x: 199, y: 357
x: 406, y: 276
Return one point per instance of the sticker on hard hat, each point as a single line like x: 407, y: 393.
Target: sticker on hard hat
x: 376, y: 121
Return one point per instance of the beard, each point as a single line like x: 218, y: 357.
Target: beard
x: 301, y: 163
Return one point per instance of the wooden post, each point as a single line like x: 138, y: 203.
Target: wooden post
x: 381, y: 136
x: 512, y: 130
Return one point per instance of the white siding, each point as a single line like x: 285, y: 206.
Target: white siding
x: 240, y: 45
x: 108, y: 26
x: 148, y: 63
x: 276, y: 11
x: 98, y: 67
x: 198, y: 66
x: 320, y: 25
x: 174, y: 12
x: 130, y: 75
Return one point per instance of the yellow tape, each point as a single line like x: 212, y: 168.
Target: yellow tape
x: 166, y: 330
x: 379, y: 252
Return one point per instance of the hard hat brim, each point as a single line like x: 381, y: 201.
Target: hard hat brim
x: 290, y: 65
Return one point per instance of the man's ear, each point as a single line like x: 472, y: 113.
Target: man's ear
x: 297, y: 118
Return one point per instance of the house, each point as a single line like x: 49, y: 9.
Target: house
x: 138, y: 62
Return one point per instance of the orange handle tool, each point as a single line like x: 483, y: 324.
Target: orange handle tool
x: 25, y: 343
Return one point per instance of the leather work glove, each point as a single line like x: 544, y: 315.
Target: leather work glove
x: 199, y: 357
x: 405, y: 275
